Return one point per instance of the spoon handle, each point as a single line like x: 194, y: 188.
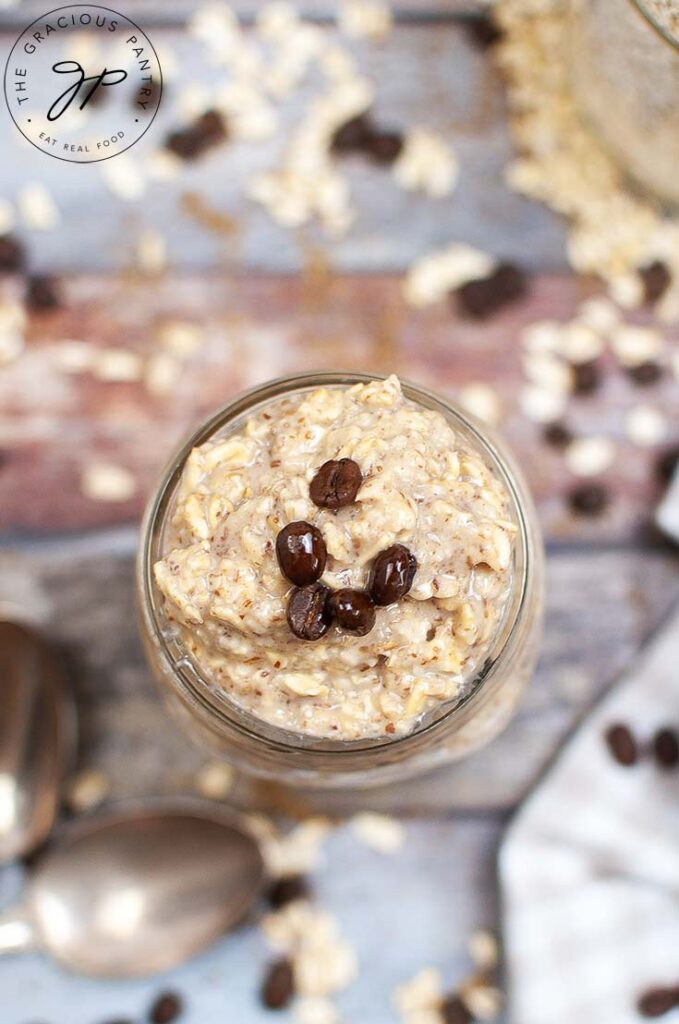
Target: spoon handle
x: 17, y: 931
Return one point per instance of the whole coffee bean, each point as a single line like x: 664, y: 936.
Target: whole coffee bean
x: 278, y: 985
x: 658, y: 1001
x: 12, y: 255
x: 309, y: 616
x: 354, y: 135
x: 42, y: 293
x: 301, y: 553
x: 586, y: 377
x: 482, y: 298
x: 384, y: 147
x: 589, y: 499
x: 392, y: 574
x: 666, y: 748
x: 287, y: 890
x: 352, y: 610
x: 655, y: 278
x: 336, y: 484
x: 622, y: 745
x: 454, y: 1011
x: 166, y: 1009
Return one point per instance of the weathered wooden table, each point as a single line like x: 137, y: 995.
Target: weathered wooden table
x: 273, y: 302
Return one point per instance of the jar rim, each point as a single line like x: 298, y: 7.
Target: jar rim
x: 657, y: 26
x: 203, y: 696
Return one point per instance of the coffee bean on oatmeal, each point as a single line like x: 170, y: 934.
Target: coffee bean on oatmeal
x: 622, y: 745
x: 167, y: 1008
x: 658, y: 1001
x: 308, y: 614
x: 301, y: 553
x: 392, y: 574
x: 352, y: 610
x: 666, y: 748
x: 655, y: 278
x: 287, y: 890
x: 336, y: 483
x: 278, y: 985
x: 589, y: 499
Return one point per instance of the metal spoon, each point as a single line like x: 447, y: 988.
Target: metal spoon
x: 130, y: 894
x: 37, y: 739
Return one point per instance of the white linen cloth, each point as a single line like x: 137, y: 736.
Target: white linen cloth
x: 589, y: 867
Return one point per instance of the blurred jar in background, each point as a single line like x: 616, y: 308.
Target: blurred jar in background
x: 625, y: 78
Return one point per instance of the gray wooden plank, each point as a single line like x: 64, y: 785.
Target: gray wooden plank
x: 150, y: 12
x: 400, y: 913
x: 601, y: 605
x: 426, y: 75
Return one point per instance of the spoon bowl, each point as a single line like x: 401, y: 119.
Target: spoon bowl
x: 130, y: 894
x: 37, y: 739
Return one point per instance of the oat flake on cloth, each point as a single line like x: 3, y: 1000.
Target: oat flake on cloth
x: 589, y: 868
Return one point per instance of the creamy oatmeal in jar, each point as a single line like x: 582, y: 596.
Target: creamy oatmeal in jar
x: 340, y: 565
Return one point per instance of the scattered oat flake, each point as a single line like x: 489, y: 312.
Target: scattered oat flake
x: 548, y: 372
x: 299, y: 851
x: 11, y: 346
x: 378, y: 831
x: 87, y: 790
x: 180, y: 338
x: 483, y: 949
x: 368, y: 18
x: 426, y: 164
x: 483, y: 1001
x: 646, y: 425
x: 482, y: 401
x: 215, y: 780
x: 37, y: 209
x: 634, y: 345
x: 151, y: 252
x: 421, y: 994
x: 162, y: 374
x: 116, y: 365
x: 315, y: 1010
x: 580, y: 343
x: 541, y: 404
x: 74, y: 356
x: 542, y: 336
x: 627, y: 290
x: 105, y: 481
x: 589, y: 456
x: 600, y: 314
x: 324, y: 967
x: 124, y: 177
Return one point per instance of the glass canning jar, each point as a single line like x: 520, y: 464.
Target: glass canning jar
x: 624, y: 71
x: 446, y: 734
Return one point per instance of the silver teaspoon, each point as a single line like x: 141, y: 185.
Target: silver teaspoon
x: 133, y: 893
x: 37, y: 739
